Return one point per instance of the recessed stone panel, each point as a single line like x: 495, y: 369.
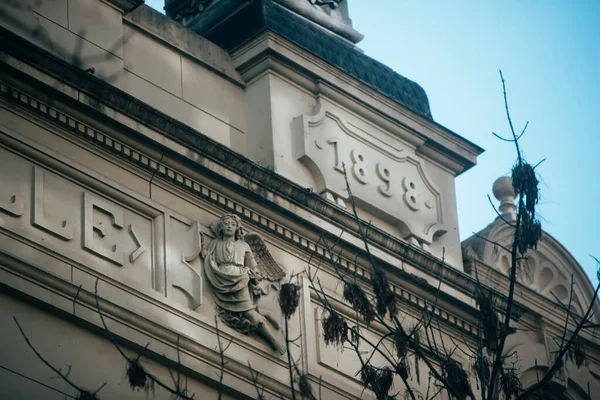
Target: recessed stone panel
x: 386, y: 177
x: 71, y: 220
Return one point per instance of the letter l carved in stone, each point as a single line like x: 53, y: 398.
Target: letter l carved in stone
x: 89, y: 203
x: 65, y: 230
x: 14, y: 208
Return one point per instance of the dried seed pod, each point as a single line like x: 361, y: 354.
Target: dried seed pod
x: 354, y: 335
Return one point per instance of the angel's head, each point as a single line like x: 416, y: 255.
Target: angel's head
x: 230, y: 225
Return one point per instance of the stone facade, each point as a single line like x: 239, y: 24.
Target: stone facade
x: 124, y: 135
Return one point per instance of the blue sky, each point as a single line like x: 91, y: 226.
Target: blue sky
x: 549, y: 52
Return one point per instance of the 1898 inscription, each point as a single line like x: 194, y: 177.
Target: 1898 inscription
x: 385, y: 174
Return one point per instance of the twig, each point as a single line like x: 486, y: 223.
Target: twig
x: 558, y: 361
x: 512, y: 129
x: 91, y: 395
x: 254, y: 379
x: 177, y: 391
x: 75, y: 298
x: 498, y: 212
x: 289, y: 358
x: 222, y: 351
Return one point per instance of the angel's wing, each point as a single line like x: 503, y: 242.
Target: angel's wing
x: 266, y: 264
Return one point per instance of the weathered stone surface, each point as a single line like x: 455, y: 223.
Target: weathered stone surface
x: 113, y: 185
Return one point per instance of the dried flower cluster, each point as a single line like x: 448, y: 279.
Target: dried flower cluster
x: 386, y: 301
x: 490, y: 323
x: 379, y: 379
x: 305, y: 387
x: 510, y: 384
x: 525, y: 184
x: 357, y: 298
x: 456, y: 377
x: 137, y: 376
x: 335, y: 329
x: 576, y: 353
x: 401, y: 344
x: 289, y: 298
x: 85, y: 395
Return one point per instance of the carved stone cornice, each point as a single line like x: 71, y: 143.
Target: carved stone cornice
x: 271, y: 52
x: 340, y: 24
x: 312, y: 249
x: 179, y: 10
x: 199, y: 48
x: 33, y: 285
x: 126, y: 5
x: 105, y: 95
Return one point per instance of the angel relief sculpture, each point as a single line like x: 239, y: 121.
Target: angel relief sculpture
x: 240, y: 270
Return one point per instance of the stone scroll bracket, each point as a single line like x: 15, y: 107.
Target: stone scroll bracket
x: 387, y: 178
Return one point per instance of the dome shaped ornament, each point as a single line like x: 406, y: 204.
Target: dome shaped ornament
x: 505, y: 193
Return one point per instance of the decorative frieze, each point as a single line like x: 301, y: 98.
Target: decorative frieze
x: 181, y: 273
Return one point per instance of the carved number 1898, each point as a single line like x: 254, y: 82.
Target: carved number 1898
x: 360, y: 172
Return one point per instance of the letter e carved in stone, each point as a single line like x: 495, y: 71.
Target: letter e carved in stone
x: 140, y: 248
x: 91, y: 202
x: 65, y: 230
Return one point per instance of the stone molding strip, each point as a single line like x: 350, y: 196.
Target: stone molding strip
x: 105, y: 93
x: 126, y: 5
x: 22, y: 274
x: 189, y: 184
x: 186, y: 41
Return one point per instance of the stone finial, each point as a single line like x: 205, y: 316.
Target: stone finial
x: 505, y: 193
x: 202, y: 16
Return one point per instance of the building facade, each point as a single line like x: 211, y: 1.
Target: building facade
x: 126, y: 135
